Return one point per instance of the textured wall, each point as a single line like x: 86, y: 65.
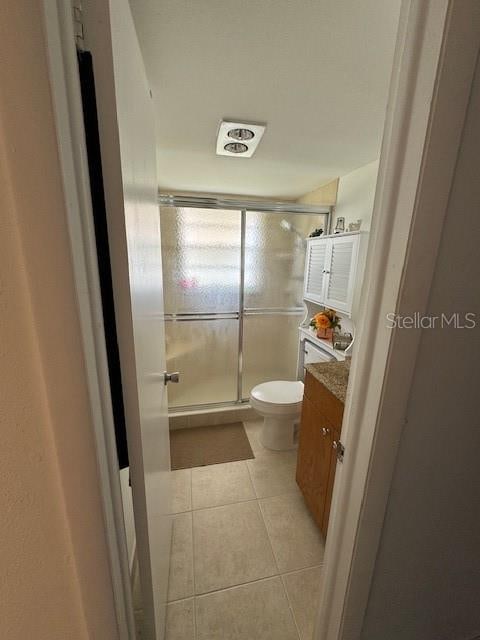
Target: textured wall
x: 55, y: 581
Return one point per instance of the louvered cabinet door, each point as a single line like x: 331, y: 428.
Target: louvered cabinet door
x: 315, y: 270
x: 340, y: 272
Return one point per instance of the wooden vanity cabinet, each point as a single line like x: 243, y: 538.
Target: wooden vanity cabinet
x: 320, y: 426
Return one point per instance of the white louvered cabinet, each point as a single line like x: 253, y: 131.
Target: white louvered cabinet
x: 315, y: 270
x: 340, y: 272
x: 332, y: 270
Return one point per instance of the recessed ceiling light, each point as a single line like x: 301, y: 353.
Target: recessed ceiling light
x: 241, y: 132
x: 236, y: 147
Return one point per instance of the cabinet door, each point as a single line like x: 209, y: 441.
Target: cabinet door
x: 315, y: 270
x: 341, y: 264
x: 331, y: 481
x: 314, y: 457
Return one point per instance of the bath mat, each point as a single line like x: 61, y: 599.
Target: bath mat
x: 200, y: 446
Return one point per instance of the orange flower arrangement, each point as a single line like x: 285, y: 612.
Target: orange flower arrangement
x: 324, y: 322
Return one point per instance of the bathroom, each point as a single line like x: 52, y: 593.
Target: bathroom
x: 237, y: 320
x: 233, y: 410
x: 264, y: 223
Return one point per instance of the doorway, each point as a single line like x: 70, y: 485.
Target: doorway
x: 335, y: 572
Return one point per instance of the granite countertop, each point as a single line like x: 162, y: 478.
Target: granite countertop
x: 333, y: 375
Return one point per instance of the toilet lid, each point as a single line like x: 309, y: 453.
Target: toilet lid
x: 279, y: 392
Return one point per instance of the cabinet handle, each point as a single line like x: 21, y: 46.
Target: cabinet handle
x: 325, y: 431
x: 339, y: 449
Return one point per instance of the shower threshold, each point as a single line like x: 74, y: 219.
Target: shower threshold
x: 205, y: 415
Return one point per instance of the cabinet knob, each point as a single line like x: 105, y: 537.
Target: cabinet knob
x: 325, y: 431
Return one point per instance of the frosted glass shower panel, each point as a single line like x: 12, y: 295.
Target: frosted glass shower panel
x: 201, y: 259
x: 275, y: 246
x: 205, y: 353
x: 270, y: 349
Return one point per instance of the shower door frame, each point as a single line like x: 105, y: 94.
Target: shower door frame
x: 243, y: 206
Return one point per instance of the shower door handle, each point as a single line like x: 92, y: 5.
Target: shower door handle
x: 171, y: 377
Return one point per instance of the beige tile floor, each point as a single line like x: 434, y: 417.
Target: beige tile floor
x: 246, y: 555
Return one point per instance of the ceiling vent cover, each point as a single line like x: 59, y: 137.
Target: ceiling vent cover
x: 238, y: 139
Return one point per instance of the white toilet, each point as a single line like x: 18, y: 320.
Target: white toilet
x: 280, y: 404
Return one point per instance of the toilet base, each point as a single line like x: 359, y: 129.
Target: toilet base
x: 278, y: 433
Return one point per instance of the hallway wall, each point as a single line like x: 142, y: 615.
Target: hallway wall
x: 55, y: 577
x: 427, y: 574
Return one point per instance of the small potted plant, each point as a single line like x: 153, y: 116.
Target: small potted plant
x: 324, y: 323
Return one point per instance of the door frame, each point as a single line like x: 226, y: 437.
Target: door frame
x: 423, y: 122
x: 429, y: 95
x: 60, y: 42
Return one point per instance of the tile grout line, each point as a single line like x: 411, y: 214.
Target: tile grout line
x: 236, y: 586
x: 319, y: 565
x: 266, y: 529
x: 243, y: 584
x: 245, y: 462
x: 180, y: 600
x: 251, y: 481
x: 227, y: 504
x: 290, y: 606
x: 194, y: 602
x: 251, y: 478
x: 268, y: 537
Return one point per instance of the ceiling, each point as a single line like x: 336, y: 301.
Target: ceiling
x: 316, y: 71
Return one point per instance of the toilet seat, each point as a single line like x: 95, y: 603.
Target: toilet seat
x: 278, y: 397
x: 279, y: 391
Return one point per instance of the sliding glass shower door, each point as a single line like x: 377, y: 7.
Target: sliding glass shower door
x: 273, y: 291
x: 201, y: 265
x: 233, y: 299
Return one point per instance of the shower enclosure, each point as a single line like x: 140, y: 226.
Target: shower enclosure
x: 233, y: 282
